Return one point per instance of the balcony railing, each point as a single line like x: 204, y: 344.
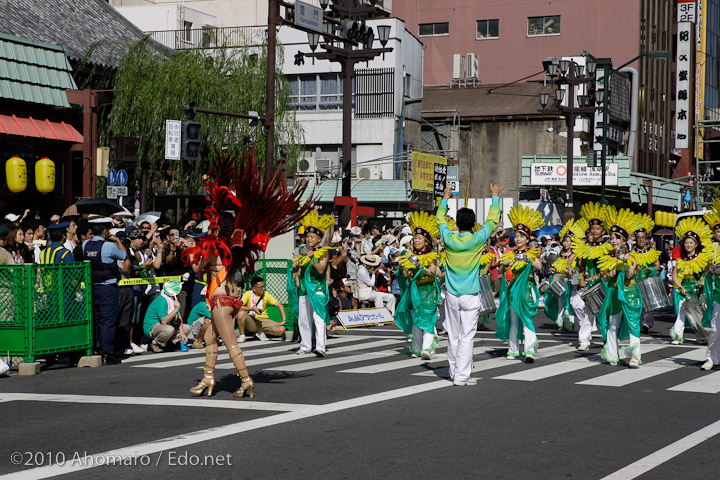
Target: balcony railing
x: 210, y: 37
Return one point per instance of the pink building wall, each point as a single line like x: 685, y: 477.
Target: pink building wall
x: 606, y: 28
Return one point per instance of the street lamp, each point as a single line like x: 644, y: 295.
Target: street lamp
x: 570, y: 76
x: 605, y: 99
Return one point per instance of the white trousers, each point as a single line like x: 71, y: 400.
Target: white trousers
x: 306, y: 319
x: 713, y: 351
x: 585, y: 319
x: 612, y: 338
x: 679, y: 327
x: 461, y: 316
x: 513, y: 342
x: 422, y: 341
x: 381, y: 297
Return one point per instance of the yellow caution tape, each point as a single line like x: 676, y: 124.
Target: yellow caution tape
x: 145, y: 281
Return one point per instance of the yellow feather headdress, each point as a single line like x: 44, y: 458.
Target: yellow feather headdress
x: 622, y: 222
x: 314, y: 223
x: 695, y: 228
x: 424, y: 224
x: 525, y: 219
x: 713, y: 216
x: 574, y: 228
x: 645, y: 223
x: 593, y: 213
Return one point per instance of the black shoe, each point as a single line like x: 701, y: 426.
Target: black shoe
x: 111, y: 359
x: 645, y: 328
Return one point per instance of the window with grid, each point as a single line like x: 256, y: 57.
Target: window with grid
x: 433, y: 29
x: 539, y: 26
x: 487, y: 29
x: 316, y: 92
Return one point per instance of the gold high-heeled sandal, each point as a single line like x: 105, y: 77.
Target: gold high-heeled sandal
x: 208, y: 380
x: 247, y: 385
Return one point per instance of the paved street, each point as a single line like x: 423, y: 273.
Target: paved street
x: 367, y: 410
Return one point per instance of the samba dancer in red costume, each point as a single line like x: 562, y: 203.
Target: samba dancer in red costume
x: 262, y: 211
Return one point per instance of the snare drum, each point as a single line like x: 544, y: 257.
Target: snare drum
x: 653, y: 294
x: 594, y: 297
x: 558, y: 287
x: 487, y: 300
x: 695, y: 307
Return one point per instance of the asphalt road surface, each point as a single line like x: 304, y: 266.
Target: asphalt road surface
x: 368, y: 410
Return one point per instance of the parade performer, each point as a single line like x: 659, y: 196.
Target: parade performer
x: 557, y: 309
x: 712, y: 290
x: 588, y: 251
x: 307, y: 284
x: 462, y: 281
x: 261, y: 211
x: 619, y: 315
x: 417, y: 311
x: 646, y: 259
x: 696, y: 253
x: 519, y: 296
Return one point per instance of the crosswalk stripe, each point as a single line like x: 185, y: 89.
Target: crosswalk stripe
x: 708, y: 383
x: 648, y: 370
x: 268, y: 348
x: 293, y: 356
x: 492, y: 363
x: 560, y: 368
x: 339, y: 360
x: 413, y: 362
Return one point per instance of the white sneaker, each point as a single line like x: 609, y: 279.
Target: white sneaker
x: 129, y: 351
x: 241, y: 339
x: 707, y: 365
x: 583, y: 348
x: 261, y: 336
x: 676, y: 342
x: 319, y: 353
x: 529, y: 358
x: 511, y: 357
x: 634, y: 363
x: 425, y: 355
x: 302, y: 352
x: 137, y: 349
x: 470, y: 381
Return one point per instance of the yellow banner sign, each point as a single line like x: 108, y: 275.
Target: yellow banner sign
x: 423, y: 170
x: 145, y: 281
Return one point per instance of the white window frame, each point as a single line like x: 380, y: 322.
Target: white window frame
x: 435, y: 34
x: 543, y: 34
x: 477, y: 22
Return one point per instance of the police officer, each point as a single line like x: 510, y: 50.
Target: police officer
x: 56, y: 252
x: 104, y: 251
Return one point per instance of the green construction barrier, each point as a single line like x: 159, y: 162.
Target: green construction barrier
x: 274, y: 273
x: 45, y: 309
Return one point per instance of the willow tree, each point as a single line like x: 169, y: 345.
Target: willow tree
x: 151, y: 88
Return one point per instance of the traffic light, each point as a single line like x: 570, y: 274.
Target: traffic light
x: 359, y: 33
x: 190, y: 139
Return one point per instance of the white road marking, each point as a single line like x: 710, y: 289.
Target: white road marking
x: 192, y: 438
x: 661, y: 456
x: 154, y: 401
x: 560, y: 368
x: 336, y: 360
x: 708, y: 383
x: 413, y: 362
x: 331, y: 351
x: 648, y: 370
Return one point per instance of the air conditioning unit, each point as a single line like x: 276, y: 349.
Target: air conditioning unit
x: 306, y: 166
x: 458, y: 65
x: 371, y: 172
x: 473, y: 65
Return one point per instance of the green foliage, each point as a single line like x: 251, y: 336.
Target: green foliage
x: 155, y: 88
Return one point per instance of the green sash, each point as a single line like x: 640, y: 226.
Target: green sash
x: 523, y: 297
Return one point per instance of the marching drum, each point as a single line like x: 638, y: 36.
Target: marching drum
x: 487, y: 301
x: 593, y: 297
x: 653, y: 294
x: 695, y: 307
x: 558, y: 287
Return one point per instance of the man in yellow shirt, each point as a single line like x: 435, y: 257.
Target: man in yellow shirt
x: 253, y: 315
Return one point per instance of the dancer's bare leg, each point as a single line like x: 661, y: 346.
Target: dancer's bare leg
x: 222, y: 317
x: 211, y: 354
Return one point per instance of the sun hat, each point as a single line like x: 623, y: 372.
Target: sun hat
x: 370, y: 260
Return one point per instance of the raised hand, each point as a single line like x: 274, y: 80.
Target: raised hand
x: 495, y: 189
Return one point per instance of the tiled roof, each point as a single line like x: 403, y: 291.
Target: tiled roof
x: 519, y: 99
x: 32, y: 71
x: 31, y: 127
x: 79, y: 26
x: 366, y: 191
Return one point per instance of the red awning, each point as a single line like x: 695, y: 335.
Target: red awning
x: 29, y: 127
